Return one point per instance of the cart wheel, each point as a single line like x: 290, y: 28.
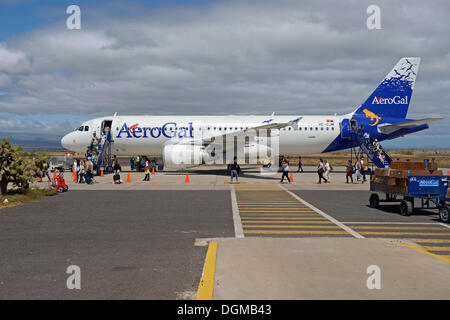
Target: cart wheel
x: 60, y: 189
x: 444, y: 214
x: 374, y: 200
x: 66, y: 188
x: 406, y: 208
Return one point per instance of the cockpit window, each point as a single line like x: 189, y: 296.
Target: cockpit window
x: 86, y: 128
x: 80, y: 128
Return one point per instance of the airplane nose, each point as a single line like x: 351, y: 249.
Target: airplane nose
x: 66, y: 141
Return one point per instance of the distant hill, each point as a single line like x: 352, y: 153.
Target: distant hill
x: 34, y: 142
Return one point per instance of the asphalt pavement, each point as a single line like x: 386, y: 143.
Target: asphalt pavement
x: 128, y: 244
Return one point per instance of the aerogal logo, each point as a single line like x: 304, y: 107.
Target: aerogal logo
x: 394, y: 100
x: 168, y: 130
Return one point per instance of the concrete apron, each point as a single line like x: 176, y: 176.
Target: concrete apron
x: 326, y: 268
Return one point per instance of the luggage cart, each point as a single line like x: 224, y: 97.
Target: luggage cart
x: 431, y: 190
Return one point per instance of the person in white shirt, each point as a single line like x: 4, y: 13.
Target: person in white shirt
x: 327, y: 168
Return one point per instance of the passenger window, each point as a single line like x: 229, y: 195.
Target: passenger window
x: 317, y: 129
x: 321, y: 128
x: 289, y: 128
x: 332, y: 128
x: 328, y: 128
x: 310, y: 129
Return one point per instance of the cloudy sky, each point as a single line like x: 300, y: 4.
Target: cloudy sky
x: 214, y: 57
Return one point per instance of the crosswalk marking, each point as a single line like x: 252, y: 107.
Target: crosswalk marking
x: 276, y: 213
x: 433, y: 237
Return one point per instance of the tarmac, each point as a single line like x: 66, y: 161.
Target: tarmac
x: 149, y: 240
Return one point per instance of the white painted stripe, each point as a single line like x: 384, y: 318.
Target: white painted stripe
x: 445, y: 225
x: 340, y: 224
x: 238, y: 230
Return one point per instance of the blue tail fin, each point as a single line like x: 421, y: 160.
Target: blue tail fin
x: 392, y: 97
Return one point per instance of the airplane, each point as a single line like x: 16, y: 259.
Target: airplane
x: 200, y: 138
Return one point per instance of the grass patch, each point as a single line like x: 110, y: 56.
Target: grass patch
x: 17, y: 197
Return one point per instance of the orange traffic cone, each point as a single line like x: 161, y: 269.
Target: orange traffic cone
x: 187, y: 177
x: 153, y: 171
x: 291, y: 178
x: 128, y: 178
x: 101, y: 172
x: 39, y: 179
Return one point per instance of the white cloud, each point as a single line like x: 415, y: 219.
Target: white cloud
x: 242, y: 57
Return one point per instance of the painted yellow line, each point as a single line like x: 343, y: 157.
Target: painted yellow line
x: 294, y: 232
x: 421, y: 250
x: 198, y: 182
x: 404, y: 233
x: 169, y: 182
x: 206, y: 285
x: 437, y: 248
x: 272, y: 206
x: 398, y: 228
x: 269, y: 202
x: 263, y: 211
x: 154, y: 182
x: 430, y: 240
x: 282, y: 218
x: 274, y: 226
x: 262, y: 216
x: 299, y: 224
x: 212, y: 182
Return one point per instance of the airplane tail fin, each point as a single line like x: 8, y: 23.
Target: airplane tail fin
x: 392, y: 97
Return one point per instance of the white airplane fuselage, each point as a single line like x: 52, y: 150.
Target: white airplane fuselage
x: 313, y: 134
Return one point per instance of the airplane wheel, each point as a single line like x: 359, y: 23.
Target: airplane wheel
x: 374, y: 200
x: 406, y: 208
x: 444, y: 214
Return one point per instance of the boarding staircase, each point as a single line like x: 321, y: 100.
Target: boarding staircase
x: 104, y: 159
x: 368, y: 149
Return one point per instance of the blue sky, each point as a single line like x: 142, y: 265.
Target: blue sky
x: 214, y: 57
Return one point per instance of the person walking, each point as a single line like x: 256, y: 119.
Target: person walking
x: 88, y: 167
x: 82, y: 172
x: 117, y: 168
x: 328, y: 169
x: 234, y: 170
x: 320, y: 171
x: 137, y: 164
x: 285, y: 170
x: 300, y: 164
x: 76, y: 168
x: 147, y: 171
x: 358, y: 171
x: 349, y: 171
x: 363, y: 168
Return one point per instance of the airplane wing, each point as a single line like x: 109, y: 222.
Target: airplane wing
x: 388, y: 128
x: 266, y: 126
